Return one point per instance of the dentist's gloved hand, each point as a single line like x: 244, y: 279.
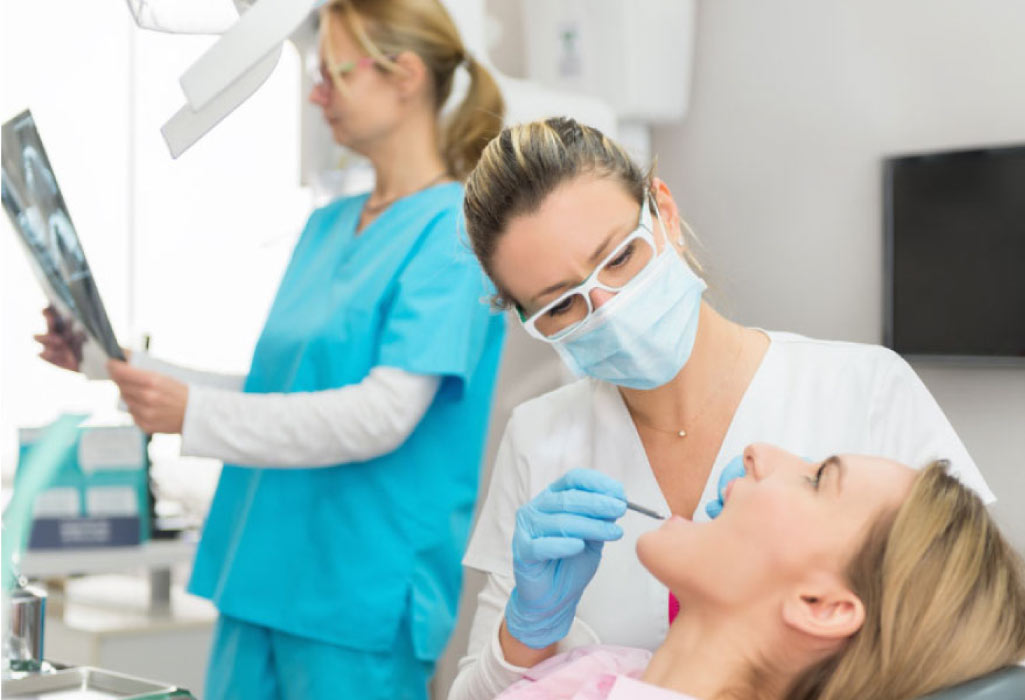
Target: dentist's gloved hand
x: 556, y: 549
x: 734, y: 469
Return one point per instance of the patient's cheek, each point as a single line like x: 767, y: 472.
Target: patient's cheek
x: 772, y: 517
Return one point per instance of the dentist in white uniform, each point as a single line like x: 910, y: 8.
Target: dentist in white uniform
x: 590, y: 252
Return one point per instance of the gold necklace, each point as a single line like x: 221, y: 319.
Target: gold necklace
x: 369, y: 208
x: 704, y: 407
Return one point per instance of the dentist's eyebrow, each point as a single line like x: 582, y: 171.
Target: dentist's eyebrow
x: 596, y: 256
x: 557, y: 287
x: 599, y: 252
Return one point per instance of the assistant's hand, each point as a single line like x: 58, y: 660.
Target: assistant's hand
x: 734, y: 469
x: 156, y: 402
x: 556, y: 549
x: 61, y: 346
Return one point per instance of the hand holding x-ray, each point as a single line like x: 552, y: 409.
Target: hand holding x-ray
x: 62, y: 346
x: 76, y: 319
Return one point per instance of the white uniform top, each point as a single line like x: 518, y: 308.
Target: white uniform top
x: 811, y: 397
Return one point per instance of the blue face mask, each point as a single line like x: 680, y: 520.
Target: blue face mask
x: 643, y: 336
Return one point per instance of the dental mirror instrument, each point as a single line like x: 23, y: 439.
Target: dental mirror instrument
x: 644, y: 511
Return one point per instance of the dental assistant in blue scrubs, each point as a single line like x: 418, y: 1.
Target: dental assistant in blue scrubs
x: 352, y: 448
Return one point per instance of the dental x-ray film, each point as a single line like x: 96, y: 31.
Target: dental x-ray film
x: 37, y: 211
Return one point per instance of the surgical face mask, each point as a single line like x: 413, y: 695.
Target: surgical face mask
x: 643, y: 336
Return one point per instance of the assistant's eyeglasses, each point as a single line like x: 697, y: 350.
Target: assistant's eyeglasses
x: 327, y: 76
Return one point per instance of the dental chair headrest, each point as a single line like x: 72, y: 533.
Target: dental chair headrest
x: 1005, y: 684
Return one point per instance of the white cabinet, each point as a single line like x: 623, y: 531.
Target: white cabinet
x: 635, y: 55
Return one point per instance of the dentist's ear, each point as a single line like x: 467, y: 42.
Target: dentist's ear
x: 826, y: 610
x: 668, y: 210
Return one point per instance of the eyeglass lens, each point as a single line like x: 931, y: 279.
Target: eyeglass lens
x: 625, y: 263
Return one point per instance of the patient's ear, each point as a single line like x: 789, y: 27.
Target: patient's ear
x: 825, y: 608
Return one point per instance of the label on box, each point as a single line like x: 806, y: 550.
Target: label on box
x: 115, y: 448
x: 111, y: 501
x: 50, y: 533
x: 57, y: 503
x: 27, y: 436
x: 85, y: 531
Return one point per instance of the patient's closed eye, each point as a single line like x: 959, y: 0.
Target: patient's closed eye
x: 816, y: 480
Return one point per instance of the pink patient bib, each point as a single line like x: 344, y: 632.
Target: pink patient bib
x: 590, y: 673
x: 674, y: 607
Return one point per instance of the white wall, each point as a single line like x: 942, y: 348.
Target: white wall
x: 794, y: 104
x: 188, y: 250
x: 67, y: 61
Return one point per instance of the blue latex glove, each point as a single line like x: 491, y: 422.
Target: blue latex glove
x: 734, y: 469
x: 556, y: 549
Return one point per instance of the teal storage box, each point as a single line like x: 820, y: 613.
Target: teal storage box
x: 100, y: 495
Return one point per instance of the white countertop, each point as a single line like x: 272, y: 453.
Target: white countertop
x: 155, y: 554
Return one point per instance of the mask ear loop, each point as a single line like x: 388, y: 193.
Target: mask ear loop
x: 658, y: 215
x: 688, y: 256
x: 682, y: 240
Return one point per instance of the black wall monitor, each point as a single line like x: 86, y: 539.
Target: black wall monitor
x: 955, y: 253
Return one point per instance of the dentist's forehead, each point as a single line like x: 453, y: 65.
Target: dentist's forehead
x: 555, y: 242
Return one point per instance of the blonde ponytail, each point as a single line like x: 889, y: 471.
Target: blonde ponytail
x: 477, y: 120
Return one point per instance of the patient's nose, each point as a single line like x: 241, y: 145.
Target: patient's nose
x: 755, y: 460
x: 762, y: 460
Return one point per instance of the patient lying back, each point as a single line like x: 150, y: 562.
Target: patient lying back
x: 853, y: 578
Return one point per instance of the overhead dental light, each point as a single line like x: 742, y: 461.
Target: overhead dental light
x: 252, y: 33
x: 231, y: 70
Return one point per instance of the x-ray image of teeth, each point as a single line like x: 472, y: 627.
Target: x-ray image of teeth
x: 36, y: 208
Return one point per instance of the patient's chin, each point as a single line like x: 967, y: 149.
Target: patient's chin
x: 657, y: 553
x: 647, y: 548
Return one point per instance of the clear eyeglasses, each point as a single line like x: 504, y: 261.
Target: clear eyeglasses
x: 327, y: 77
x: 628, y: 261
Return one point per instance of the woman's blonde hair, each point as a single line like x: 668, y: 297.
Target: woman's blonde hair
x: 386, y: 28
x: 944, y: 598
x: 525, y: 163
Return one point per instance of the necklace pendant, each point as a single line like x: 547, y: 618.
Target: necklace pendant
x: 682, y: 433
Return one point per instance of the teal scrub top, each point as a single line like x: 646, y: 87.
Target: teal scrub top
x: 342, y: 554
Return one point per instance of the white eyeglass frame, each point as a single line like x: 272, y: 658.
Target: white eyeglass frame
x: 643, y: 231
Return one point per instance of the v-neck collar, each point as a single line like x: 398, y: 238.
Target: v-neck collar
x: 635, y: 447
x: 397, y: 205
